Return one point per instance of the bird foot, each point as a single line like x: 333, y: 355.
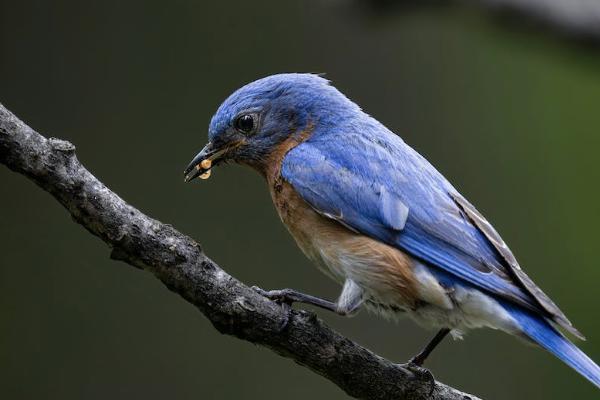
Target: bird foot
x: 417, y: 361
x: 420, y: 373
x: 279, y: 297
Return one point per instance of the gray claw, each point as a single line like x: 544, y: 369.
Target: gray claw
x: 278, y: 296
x: 260, y: 291
x: 421, y: 374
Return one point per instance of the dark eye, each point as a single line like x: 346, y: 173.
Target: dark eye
x: 245, y: 123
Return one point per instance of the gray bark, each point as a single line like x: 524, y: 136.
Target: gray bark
x: 179, y: 262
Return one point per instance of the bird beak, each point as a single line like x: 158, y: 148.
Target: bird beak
x: 203, y: 162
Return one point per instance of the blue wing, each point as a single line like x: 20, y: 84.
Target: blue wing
x: 374, y: 183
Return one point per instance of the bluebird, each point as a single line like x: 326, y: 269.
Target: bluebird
x: 378, y: 218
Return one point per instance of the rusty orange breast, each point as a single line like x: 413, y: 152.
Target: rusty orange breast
x: 383, y: 271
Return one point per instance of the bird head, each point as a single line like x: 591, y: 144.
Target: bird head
x: 256, y: 118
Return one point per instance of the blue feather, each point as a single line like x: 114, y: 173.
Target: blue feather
x: 376, y: 177
x: 541, y: 332
x: 359, y: 183
x: 354, y: 170
x: 537, y: 329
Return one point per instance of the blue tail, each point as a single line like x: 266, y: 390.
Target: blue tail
x: 541, y: 332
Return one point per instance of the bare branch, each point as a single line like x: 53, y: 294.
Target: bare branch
x: 179, y: 262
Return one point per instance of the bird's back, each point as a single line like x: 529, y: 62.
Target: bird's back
x: 367, y: 178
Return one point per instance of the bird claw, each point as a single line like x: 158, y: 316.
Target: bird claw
x: 279, y: 297
x: 420, y: 374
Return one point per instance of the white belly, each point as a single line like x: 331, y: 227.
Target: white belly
x: 437, y: 307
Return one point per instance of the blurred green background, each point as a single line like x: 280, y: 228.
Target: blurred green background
x: 508, y: 114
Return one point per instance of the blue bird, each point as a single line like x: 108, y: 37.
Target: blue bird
x: 377, y: 217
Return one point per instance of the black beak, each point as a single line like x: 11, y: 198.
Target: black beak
x: 199, y: 165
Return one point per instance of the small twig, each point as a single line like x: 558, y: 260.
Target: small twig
x: 179, y: 262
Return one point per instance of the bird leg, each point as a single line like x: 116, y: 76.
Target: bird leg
x: 420, y: 358
x: 415, y: 365
x: 349, y: 301
x: 289, y: 296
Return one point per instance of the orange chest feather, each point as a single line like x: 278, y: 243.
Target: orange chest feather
x: 383, y: 271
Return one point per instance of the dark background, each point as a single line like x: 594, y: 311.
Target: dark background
x: 508, y: 113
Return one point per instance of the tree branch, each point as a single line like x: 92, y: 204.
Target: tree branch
x: 179, y: 262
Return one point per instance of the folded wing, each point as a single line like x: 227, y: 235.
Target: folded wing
x: 380, y: 187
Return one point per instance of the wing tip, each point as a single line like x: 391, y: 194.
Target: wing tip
x: 564, y: 323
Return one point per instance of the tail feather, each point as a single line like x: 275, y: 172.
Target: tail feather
x: 541, y: 332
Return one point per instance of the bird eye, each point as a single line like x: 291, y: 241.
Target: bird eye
x: 245, y: 123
